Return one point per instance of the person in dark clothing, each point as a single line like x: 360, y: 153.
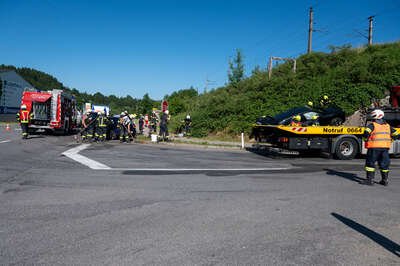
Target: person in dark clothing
x: 101, y: 127
x: 141, y: 124
x: 188, y: 124
x: 124, y: 123
x: 164, y: 126
x: 378, y: 136
x: 153, y: 122
x: 89, y: 122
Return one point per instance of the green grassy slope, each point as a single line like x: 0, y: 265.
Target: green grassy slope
x: 352, y: 77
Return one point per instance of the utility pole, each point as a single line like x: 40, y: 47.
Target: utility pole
x: 270, y: 67
x: 310, y: 30
x: 208, y: 82
x: 371, y: 19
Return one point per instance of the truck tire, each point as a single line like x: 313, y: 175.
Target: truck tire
x: 346, y: 149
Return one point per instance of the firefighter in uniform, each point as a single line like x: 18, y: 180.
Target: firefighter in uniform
x: 324, y: 101
x: 378, y: 136
x: 24, y: 117
x: 296, y: 121
x: 153, y: 122
x: 90, y: 126
x: 101, y: 127
x: 315, y: 120
x: 141, y: 124
x: 124, y: 123
x: 164, y: 126
x: 188, y: 124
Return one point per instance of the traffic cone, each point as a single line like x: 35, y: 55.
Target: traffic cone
x: 8, y: 127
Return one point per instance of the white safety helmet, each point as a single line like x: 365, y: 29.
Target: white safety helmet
x: 23, y: 107
x: 188, y: 117
x: 166, y: 112
x: 123, y: 114
x: 377, y: 114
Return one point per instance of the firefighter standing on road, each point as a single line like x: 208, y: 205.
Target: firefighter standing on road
x: 153, y: 122
x: 141, y: 124
x: 101, y: 127
x: 188, y: 124
x: 378, y: 137
x: 89, y: 123
x: 124, y: 123
x: 24, y: 117
x: 164, y: 126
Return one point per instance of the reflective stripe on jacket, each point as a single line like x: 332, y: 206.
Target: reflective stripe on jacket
x: 24, y: 118
x: 102, y: 121
x: 379, y: 137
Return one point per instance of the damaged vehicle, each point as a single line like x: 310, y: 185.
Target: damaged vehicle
x: 330, y: 116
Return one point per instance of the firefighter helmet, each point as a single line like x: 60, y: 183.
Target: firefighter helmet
x: 23, y: 107
x: 377, y: 114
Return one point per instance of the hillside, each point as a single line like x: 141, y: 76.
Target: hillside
x: 352, y: 77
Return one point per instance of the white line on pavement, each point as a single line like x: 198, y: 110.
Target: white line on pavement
x: 5, y: 141
x: 200, y: 169
x: 74, y: 155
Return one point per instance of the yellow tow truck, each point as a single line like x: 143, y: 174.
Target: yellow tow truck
x: 344, y: 142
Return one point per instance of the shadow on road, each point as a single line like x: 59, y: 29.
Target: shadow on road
x: 376, y: 237
x: 273, y: 152
x: 269, y: 152
x: 35, y: 137
x: 349, y: 176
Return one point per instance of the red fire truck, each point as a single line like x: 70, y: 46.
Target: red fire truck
x: 53, y: 110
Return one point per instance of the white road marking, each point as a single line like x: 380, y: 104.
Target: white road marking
x: 74, y: 155
x: 200, y: 169
x: 5, y: 141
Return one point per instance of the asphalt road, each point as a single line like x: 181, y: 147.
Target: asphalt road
x: 189, y: 206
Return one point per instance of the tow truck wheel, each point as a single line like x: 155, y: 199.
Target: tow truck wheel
x: 346, y: 149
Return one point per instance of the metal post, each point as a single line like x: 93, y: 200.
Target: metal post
x: 310, y: 30
x: 371, y: 19
x: 270, y: 67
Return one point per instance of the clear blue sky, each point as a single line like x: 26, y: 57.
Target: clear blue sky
x: 157, y: 47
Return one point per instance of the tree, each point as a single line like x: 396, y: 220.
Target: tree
x: 236, y: 68
x: 146, y: 104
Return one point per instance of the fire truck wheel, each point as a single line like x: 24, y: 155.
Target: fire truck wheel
x: 346, y: 149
